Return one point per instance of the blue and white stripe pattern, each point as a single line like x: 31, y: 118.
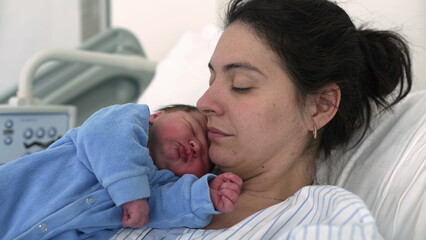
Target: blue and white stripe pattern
x: 314, y: 212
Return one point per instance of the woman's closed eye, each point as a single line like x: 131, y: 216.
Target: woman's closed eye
x: 241, y: 89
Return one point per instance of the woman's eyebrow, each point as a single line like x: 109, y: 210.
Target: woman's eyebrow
x: 239, y: 65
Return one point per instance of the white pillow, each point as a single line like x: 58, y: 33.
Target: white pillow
x: 183, y: 76
x: 388, y: 170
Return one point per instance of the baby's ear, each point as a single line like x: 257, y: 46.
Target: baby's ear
x: 154, y: 116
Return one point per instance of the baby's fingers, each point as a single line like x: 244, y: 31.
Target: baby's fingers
x: 227, y: 203
x: 231, y: 187
x: 230, y: 195
x: 216, y: 183
x: 230, y: 177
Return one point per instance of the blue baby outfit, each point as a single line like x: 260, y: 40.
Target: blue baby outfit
x: 74, y: 189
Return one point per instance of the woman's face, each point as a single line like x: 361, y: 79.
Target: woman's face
x: 253, y: 118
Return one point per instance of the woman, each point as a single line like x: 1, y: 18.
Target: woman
x: 290, y: 81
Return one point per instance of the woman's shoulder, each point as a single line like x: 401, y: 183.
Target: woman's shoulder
x: 315, y: 193
x: 331, y: 202
x: 312, y: 209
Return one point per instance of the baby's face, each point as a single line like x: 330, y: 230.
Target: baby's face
x: 178, y: 142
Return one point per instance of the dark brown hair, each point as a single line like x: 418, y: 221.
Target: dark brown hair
x: 318, y: 44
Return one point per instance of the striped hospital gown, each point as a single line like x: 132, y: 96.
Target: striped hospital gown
x: 314, y: 212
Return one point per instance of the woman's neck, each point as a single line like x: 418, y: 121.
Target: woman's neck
x: 264, y: 190
x: 248, y: 204
x: 245, y: 207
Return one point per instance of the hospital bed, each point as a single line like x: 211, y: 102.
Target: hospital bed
x: 387, y: 170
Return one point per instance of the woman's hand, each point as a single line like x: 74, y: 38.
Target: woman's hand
x: 135, y: 213
x: 224, y: 191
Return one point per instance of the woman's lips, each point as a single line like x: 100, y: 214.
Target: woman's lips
x: 214, y: 133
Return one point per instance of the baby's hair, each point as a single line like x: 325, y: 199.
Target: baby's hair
x: 178, y: 107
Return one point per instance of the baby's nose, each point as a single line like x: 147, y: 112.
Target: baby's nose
x: 195, y: 148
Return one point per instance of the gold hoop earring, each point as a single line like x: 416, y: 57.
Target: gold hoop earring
x: 315, y: 131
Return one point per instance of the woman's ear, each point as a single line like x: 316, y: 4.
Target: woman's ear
x: 154, y: 116
x: 323, y: 105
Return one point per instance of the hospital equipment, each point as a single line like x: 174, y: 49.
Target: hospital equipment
x: 31, y: 124
x: 33, y: 127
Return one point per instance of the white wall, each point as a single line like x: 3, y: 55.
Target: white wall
x: 29, y: 26
x: 408, y: 17
x: 160, y: 23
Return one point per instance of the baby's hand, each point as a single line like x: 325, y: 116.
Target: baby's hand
x: 135, y: 213
x: 224, y: 191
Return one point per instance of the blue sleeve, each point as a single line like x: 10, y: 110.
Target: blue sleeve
x: 185, y: 203
x: 112, y: 144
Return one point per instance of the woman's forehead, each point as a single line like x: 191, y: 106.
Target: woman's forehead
x: 239, y: 44
x: 237, y: 36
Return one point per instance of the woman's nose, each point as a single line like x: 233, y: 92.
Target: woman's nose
x: 207, y: 103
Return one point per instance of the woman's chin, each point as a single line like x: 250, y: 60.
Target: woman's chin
x: 221, y: 159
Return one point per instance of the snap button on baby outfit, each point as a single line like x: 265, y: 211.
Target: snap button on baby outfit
x: 43, y: 227
x: 90, y: 200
